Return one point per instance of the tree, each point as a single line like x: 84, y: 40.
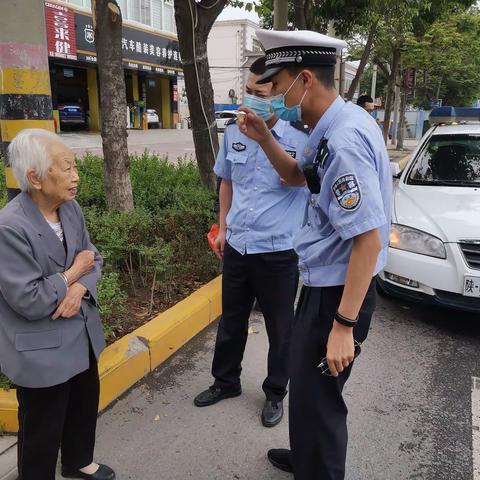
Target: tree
x: 113, y: 103
x: 447, y: 60
x: 194, y: 21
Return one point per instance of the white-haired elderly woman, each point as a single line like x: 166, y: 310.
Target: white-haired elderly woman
x: 50, y: 330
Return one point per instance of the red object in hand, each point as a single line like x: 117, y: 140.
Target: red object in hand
x: 212, y: 235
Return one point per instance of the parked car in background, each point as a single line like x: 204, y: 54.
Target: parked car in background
x: 71, y: 116
x: 434, y: 253
x: 222, y: 117
x: 152, y: 118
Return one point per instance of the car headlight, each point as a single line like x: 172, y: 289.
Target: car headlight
x: 416, y: 241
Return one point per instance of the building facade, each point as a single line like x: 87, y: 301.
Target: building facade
x: 151, y: 57
x: 232, y: 46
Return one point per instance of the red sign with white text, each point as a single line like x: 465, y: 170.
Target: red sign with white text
x: 60, y: 31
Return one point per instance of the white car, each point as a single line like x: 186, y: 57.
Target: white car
x: 152, y: 118
x: 434, y: 254
x: 222, y: 117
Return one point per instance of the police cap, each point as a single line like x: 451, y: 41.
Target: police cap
x: 301, y: 47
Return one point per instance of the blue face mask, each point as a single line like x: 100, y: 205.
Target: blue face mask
x: 260, y: 106
x: 289, y: 114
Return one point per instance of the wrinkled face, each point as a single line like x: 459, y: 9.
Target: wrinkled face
x: 369, y: 107
x: 61, y: 182
x: 258, y: 90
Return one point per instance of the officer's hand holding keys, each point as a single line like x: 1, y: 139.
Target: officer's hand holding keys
x: 340, y: 348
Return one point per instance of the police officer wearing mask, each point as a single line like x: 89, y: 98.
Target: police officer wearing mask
x: 259, y: 217
x: 341, y: 247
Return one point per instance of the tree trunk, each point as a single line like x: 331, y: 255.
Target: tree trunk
x: 401, y: 121
x: 300, y: 19
x: 193, y: 25
x: 363, y: 60
x: 391, y: 85
x: 113, y: 103
x: 280, y: 14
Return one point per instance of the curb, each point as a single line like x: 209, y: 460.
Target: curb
x: 404, y: 160
x: 133, y: 356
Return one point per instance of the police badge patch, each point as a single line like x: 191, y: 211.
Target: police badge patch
x: 347, y: 191
x: 239, y: 147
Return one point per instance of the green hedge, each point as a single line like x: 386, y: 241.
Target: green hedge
x: 158, y: 251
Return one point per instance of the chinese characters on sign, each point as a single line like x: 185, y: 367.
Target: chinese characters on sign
x: 60, y: 31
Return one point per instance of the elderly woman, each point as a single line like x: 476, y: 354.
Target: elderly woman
x: 50, y: 330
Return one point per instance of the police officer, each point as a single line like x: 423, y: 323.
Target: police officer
x: 259, y: 216
x: 341, y: 247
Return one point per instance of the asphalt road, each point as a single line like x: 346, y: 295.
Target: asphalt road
x: 410, y: 400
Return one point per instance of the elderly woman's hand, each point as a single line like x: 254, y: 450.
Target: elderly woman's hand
x: 83, y: 264
x: 72, y: 302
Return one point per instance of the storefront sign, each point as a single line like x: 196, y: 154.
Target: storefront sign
x: 142, y: 50
x: 60, y: 31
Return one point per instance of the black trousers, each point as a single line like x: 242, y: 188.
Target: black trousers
x: 65, y: 416
x: 318, y: 414
x: 271, y: 278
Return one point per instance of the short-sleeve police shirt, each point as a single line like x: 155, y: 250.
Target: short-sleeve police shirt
x: 355, y: 194
x: 265, y: 215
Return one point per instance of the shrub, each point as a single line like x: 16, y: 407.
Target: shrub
x: 112, y: 300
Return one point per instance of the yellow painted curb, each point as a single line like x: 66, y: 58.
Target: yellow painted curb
x: 8, y: 411
x: 172, y: 329
x: 130, y: 358
x: 403, y: 161
x: 121, y: 365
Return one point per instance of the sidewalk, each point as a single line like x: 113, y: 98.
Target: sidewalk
x: 173, y: 143
x: 402, y: 156
x: 8, y: 458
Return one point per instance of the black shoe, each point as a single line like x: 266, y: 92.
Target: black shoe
x: 272, y: 413
x: 281, y: 458
x: 103, y: 473
x: 214, y: 395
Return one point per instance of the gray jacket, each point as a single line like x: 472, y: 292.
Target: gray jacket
x: 36, y: 351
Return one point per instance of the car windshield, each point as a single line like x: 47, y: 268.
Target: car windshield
x: 448, y: 160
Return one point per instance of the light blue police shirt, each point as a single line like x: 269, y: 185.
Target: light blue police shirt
x: 265, y: 215
x: 355, y: 195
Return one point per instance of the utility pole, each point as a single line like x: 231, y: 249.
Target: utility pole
x: 280, y: 14
x: 25, y: 94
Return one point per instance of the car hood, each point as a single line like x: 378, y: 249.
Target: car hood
x: 450, y: 213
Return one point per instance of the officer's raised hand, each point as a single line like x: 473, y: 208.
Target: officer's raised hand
x: 253, y: 126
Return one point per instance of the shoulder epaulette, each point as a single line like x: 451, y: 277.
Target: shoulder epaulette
x: 299, y: 125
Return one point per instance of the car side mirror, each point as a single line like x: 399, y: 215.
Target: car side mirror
x: 396, y: 170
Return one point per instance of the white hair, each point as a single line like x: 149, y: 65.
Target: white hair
x: 29, y: 149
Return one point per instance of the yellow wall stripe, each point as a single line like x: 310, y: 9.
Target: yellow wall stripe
x: 10, y: 180
x: 24, y: 81
x: 10, y: 128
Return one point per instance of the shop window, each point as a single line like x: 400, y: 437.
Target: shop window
x: 123, y: 7
x: 134, y: 10
x: 169, y: 20
x: 139, y: 10
x: 157, y: 14
x: 78, y: 3
x: 145, y: 13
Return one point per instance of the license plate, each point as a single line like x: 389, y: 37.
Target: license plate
x: 471, y: 287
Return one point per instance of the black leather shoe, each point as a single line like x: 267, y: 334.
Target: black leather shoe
x: 281, y: 458
x: 214, y: 395
x: 103, y: 473
x: 272, y: 413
